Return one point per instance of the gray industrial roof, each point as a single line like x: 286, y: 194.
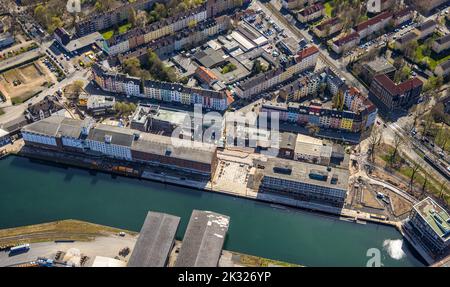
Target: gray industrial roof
x: 301, y: 172
x: 155, y: 240
x: 174, y: 147
x: 119, y: 136
x: 203, y: 240
x: 56, y: 125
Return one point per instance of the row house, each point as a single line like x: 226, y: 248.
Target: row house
x: 425, y: 29
x: 304, y: 60
x: 373, y: 25
x: 345, y: 43
x: 316, y: 114
x: 169, y: 92
x: 139, y: 36
x: 300, y: 88
x: 173, y: 92
x: 311, y: 13
x: 441, y: 44
x: 104, y: 20
x: 166, y: 45
x: 294, y: 4
x: 328, y: 27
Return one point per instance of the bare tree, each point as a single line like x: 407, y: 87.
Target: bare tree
x: 441, y: 190
x: 374, y: 141
x: 398, y: 140
x: 424, y: 185
x: 415, y: 168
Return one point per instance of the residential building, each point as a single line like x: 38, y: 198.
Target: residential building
x: 404, y: 15
x: 73, y: 44
x: 429, y: 226
x: 379, y: 66
x: 361, y: 118
x: 441, y: 44
x: 287, y: 145
x: 389, y: 96
x: 345, y: 43
x: 5, y: 137
x: 443, y: 69
x: 425, y: 29
x: 300, y: 181
x: 373, y: 25
x: 41, y: 110
x: 311, y: 13
x: 169, y: 92
x: 403, y: 41
x: 6, y: 39
x: 328, y: 27
x: 104, y: 20
x: 312, y: 150
x: 297, y: 89
x: 304, y: 60
x: 99, y: 105
x: 294, y: 4
x: 426, y: 7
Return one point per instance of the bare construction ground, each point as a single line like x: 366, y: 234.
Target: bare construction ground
x: 21, y: 83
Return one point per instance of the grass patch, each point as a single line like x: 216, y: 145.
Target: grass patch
x: 124, y: 28
x: 254, y: 261
x: 430, y: 60
x: 108, y: 34
x: 24, y: 98
x: 57, y: 230
x: 405, y: 171
x: 328, y: 9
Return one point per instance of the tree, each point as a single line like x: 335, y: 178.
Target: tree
x: 132, y: 66
x: 132, y: 17
x: 339, y: 100
x: 40, y: 13
x: 374, y: 141
x: 433, y: 83
x: 414, y: 170
x: 124, y: 108
x: 398, y: 140
x: 74, y: 90
x: 103, y: 5
x: 141, y: 19
x: 312, y: 129
x: 424, y: 185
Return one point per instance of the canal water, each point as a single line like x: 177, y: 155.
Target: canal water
x: 32, y: 192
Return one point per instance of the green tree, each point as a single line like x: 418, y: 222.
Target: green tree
x: 338, y: 101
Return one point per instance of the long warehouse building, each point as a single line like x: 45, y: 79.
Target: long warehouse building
x: 156, y: 240
x: 203, y: 241
x: 89, y: 138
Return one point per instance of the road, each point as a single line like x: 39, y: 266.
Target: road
x: 101, y: 246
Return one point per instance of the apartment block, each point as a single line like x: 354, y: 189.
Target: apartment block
x: 389, y: 96
x: 429, y: 225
